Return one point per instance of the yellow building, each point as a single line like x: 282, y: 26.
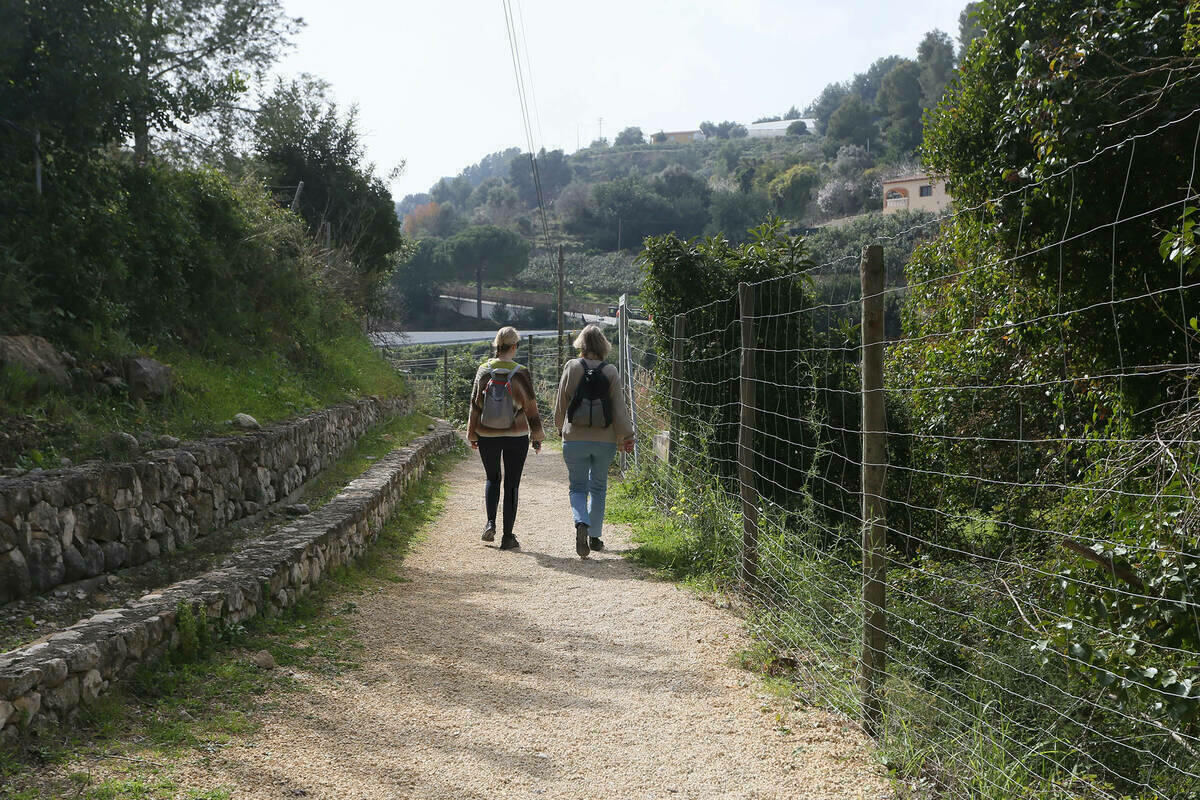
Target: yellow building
x: 915, y: 193
x: 682, y: 137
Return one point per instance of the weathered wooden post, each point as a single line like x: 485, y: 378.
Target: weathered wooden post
x: 874, y: 474
x: 676, y: 396
x: 746, y: 440
x: 446, y: 383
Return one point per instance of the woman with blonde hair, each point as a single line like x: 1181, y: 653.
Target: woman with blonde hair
x: 503, y: 420
x: 590, y: 411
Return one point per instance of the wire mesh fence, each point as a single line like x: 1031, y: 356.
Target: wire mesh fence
x: 1036, y: 484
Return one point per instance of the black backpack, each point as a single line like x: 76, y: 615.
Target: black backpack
x: 592, y: 405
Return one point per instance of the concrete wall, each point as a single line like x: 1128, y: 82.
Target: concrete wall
x: 67, y: 525
x: 45, y: 684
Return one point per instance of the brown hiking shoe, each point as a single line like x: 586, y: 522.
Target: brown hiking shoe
x: 581, y: 540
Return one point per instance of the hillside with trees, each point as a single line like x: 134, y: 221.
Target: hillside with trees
x: 604, y: 200
x: 160, y: 197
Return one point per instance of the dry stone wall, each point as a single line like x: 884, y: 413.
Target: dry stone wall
x: 46, y: 683
x: 67, y: 525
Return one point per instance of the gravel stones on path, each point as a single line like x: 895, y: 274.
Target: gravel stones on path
x: 532, y: 674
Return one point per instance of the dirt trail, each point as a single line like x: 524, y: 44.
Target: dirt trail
x: 534, y: 674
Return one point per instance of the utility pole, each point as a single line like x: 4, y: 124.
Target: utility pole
x: 561, y: 280
x: 37, y: 161
x: 601, y: 136
x: 296, y: 197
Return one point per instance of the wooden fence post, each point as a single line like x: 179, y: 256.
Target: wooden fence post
x: 446, y: 383
x: 562, y: 274
x: 676, y: 396
x: 746, y: 440
x: 874, y: 474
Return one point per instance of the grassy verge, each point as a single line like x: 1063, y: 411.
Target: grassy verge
x: 210, y: 387
x: 134, y: 743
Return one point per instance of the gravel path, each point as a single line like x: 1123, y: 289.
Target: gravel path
x: 534, y: 674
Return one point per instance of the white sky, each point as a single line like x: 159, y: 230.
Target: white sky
x: 435, y: 86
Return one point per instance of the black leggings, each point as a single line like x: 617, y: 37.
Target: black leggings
x: 513, y: 450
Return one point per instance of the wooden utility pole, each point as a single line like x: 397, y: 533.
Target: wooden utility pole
x: 446, y: 383
x: 37, y: 161
x: 529, y: 360
x: 296, y: 196
x: 562, y: 274
x: 676, y: 389
x: 874, y: 475
x: 746, y: 440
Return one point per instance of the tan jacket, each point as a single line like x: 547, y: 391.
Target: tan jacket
x: 621, y: 428
x: 528, y: 421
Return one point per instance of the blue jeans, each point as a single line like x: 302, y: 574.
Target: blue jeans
x: 587, y: 472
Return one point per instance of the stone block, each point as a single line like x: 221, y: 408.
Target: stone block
x: 7, y: 712
x: 54, y: 672
x: 90, y: 686
x: 63, y: 698
x: 83, y: 658
x: 16, y: 681
x: 15, y: 580
x: 45, y: 561
x: 116, y: 555
x: 28, y: 706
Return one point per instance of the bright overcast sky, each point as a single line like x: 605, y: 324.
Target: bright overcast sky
x: 435, y: 87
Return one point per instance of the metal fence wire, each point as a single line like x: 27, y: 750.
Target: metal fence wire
x: 998, y: 578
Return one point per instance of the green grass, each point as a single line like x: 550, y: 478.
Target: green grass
x: 371, y: 446
x: 211, y: 386
x: 128, y: 744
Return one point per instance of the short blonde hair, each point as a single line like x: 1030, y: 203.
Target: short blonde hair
x: 592, y: 340
x: 506, y: 337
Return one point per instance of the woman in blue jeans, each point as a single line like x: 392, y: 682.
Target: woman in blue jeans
x: 590, y: 411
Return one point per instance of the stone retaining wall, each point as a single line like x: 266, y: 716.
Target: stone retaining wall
x: 66, y: 525
x: 46, y: 683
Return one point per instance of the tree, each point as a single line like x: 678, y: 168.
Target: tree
x: 968, y: 28
x: 415, y: 282
x: 452, y: 190
x: 485, y: 251
x: 630, y: 136
x: 852, y: 123
x: 553, y: 171
x: 301, y: 136
x: 827, y: 102
x: 866, y: 84
x: 935, y: 56
x: 68, y: 74
x: 723, y: 130
x: 768, y: 119
x: 798, y: 128
x: 900, y: 103
x: 659, y: 137
x: 193, y: 55
x: 792, y: 113
x: 733, y: 214
x: 791, y: 190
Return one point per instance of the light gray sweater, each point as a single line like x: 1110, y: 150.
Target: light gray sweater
x: 621, y: 428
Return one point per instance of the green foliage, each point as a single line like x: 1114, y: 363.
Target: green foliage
x: 195, y: 639
x: 301, y: 137
x: 723, y: 130
x: 553, y: 170
x: 798, y: 128
x: 630, y: 135
x: 852, y: 123
x: 791, y: 190
x: 485, y: 251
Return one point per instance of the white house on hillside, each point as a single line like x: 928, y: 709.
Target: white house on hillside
x: 769, y: 130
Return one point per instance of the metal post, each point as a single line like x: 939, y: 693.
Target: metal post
x: 746, y: 440
x: 874, y: 474
x: 676, y: 397
x: 561, y: 280
x: 627, y: 366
